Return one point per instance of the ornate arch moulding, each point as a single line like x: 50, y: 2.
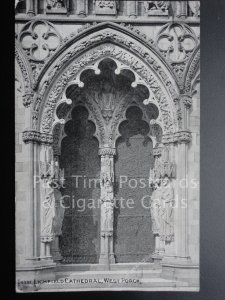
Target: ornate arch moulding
x: 135, y: 65
x: 97, y: 28
x: 167, y: 110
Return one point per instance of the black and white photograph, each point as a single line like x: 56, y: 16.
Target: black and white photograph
x: 107, y: 145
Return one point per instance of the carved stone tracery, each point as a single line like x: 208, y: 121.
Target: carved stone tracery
x: 127, y: 59
x: 177, y: 41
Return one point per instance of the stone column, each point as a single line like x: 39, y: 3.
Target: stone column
x: 177, y: 258
x: 30, y: 7
x: 107, y: 206
x: 33, y: 139
x: 183, y: 139
x: 159, y: 249
x: 132, y: 9
x: 81, y: 7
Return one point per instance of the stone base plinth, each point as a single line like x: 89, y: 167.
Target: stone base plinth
x: 29, y: 277
x: 181, y: 269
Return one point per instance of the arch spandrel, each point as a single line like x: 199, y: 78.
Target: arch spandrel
x: 25, y: 70
x: 193, y: 68
x: 58, y: 73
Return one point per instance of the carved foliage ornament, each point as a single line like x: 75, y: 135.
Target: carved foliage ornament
x: 177, y: 137
x: 37, y: 137
x: 123, y: 56
x: 39, y: 40
x: 28, y: 91
x: 136, y: 66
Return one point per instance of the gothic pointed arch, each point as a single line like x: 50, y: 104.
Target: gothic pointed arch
x: 87, y: 51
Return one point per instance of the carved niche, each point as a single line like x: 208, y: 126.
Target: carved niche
x: 106, y: 7
x: 194, y: 8
x: 156, y: 8
x: 56, y: 6
x: 163, y: 196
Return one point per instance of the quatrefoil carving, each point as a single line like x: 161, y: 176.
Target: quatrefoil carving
x: 39, y: 39
x: 176, y: 41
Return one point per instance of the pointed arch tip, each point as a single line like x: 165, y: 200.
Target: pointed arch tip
x: 96, y: 28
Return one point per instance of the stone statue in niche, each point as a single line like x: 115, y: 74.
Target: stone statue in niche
x: 48, y: 211
x: 106, y: 100
x: 106, y: 187
x: 162, y: 199
x: 166, y: 211
x: 195, y: 8
x: 52, y: 209
x: 59, y: 213
x: 57, y: 4
x: 156, y: 7
x: 107, y: 7
x: 155, y: 207
x: 107, y: 202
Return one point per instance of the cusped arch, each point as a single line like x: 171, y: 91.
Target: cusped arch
x: 147, y: 65
x: 66, y: 51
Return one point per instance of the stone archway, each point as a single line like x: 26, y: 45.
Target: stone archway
x: 149, y: 70
x: 102, y: 94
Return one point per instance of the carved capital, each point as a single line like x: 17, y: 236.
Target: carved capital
x: 33, y: 136
x: 182, y: 137
x: 157, y: 151
x: 107, y: 151
x: 177, y: 137
x: 28, y: 98
x: 186, y: 99
x: 47, y: 239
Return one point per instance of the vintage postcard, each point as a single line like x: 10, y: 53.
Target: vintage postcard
x: 107, y: 123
